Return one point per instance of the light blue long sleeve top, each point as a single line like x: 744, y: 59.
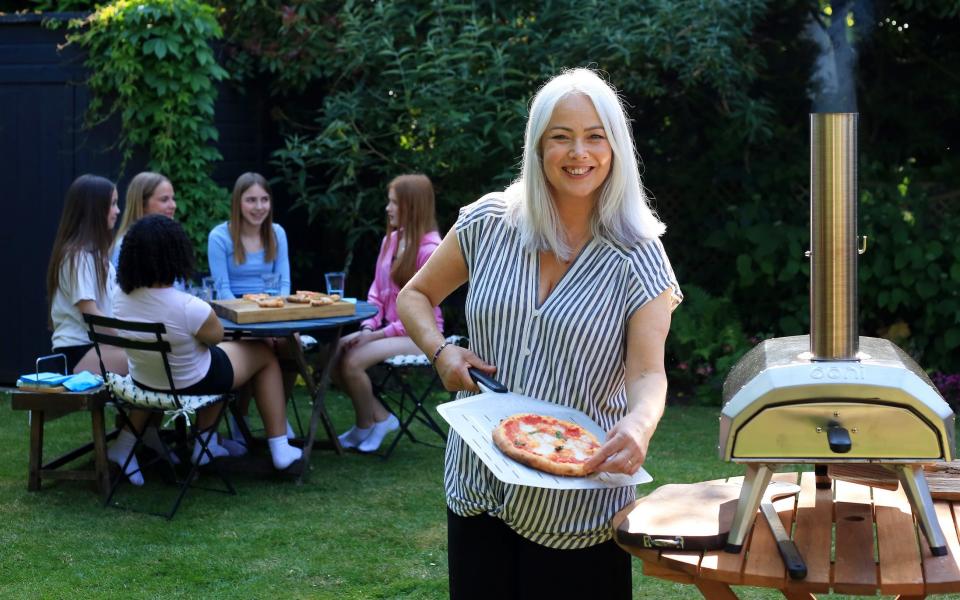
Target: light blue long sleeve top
x: 235, y: 280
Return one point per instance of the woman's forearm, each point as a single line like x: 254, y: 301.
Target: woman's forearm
x: 416, y: 313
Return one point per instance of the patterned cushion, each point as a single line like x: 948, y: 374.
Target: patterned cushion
x: 125, y: 389
x: 419, y: 360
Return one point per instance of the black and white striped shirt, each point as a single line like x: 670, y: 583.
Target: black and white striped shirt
x: 569, y: 351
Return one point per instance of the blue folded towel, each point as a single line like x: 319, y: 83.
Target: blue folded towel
x: 83, y: 380
x: 44, y: 379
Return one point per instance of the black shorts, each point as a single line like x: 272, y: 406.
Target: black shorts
x: 74, y: 354
x: 218, y: 380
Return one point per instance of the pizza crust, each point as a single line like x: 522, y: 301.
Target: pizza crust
x: 517, y: 447
x: 270, y: 302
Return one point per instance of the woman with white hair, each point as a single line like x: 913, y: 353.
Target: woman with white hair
x: 569, y: 301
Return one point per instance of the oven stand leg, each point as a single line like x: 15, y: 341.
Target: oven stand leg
x: 915, y: 486
x: 754, y: 485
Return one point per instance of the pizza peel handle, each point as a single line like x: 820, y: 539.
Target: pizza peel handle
x: 486, y: 382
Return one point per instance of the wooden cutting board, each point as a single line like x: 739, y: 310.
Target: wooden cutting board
x: 693, y: 516
x: 244, y: 311
x: 943, y: 479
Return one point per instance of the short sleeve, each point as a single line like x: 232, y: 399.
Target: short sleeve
x: 85, y: 286
x: 651, y: 274
x: 472, y: 223
x: 196, y: 312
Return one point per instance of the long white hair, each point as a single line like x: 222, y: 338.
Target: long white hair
x: 623, y: 214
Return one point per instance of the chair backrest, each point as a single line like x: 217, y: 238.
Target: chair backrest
x: 158, y: 345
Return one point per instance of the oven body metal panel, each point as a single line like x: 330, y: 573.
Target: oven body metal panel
x: 777, y: 396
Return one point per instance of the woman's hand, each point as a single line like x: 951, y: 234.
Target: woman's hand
x: 626, y: 447
x: 359, y: 338
x: 452, y: 365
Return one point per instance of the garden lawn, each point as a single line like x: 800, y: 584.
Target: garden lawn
x: 360, y: 528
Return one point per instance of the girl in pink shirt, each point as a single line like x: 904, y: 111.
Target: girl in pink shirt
x: 411, y: 239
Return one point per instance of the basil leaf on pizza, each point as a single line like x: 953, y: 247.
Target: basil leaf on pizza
x: 546, y: 443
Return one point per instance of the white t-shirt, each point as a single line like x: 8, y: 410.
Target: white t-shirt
x: 68, y: 326
x: 183, y: 315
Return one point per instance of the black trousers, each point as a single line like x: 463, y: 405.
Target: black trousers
x: 488, y: 560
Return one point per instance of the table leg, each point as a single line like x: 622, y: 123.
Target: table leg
x: 36, y: 450
x: 100, y: 453
x: 318, y: 391
x: 715, y: 590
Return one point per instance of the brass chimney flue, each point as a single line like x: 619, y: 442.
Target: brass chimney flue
x: 834, y: 333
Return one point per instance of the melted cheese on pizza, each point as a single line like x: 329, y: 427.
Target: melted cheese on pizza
x: 553, y: 441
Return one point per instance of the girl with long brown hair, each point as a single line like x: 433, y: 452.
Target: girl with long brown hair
x: 411, y: 239
x: 80, y: 278
x: 250, y: 244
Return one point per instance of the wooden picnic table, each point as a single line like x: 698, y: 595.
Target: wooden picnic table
x: 835, y: 535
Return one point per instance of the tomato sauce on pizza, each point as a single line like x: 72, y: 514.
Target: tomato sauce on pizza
x: 546, y: 443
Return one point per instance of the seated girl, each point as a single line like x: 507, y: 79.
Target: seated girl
x: 411, y: 239
x: 250, y: 245
x: 148, y: 194
x: 155, y: 253
x: 80, y: 279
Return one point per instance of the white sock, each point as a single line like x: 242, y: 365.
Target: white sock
x: 151, y: 439
x: 290, y: 433
x: 353, y: 436
x: 379, y: 430
x: 282, y: 452
x: 234, y: 447
x: 120, y: 450
x: 213, y: 448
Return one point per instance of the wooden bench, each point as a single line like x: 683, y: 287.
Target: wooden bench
x: 44, y: 407
x: 835, y: 535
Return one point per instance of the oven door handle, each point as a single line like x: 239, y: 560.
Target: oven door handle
x: 839, y: 439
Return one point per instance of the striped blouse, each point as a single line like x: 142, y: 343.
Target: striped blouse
x: 569, y: 351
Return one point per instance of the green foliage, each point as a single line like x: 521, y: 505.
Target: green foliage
x: 705, y: 341
x: 910, y: 274
x: 442, y: 88
x: 152, y: 65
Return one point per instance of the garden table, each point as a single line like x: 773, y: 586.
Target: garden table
x: 854, y: 539
x: 327, y: 331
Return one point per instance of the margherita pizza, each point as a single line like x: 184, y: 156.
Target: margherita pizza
x: 546, y: 443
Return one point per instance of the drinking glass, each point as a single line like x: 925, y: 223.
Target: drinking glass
x: 335, y: 282
x: 271, y: 283
x: 209, y: 287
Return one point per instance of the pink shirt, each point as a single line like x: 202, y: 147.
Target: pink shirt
x: 383, y: 291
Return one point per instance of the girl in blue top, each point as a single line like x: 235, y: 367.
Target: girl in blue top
x: 250, y: 245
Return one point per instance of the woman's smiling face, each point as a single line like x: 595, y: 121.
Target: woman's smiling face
x: 576, y: 152
x: 255, y: 205
x: 161, y: 201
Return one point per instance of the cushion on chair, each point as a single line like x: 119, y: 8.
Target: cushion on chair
x: 125, y: 389
x: 419, y: 360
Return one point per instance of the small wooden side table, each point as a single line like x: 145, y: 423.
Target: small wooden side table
x: 46, y: 407
x: 835, y: 535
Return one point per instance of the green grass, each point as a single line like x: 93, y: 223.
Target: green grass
x: 360, y: 528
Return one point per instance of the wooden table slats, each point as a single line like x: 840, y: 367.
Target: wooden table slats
x: 814, y: 533
x: 763, y: 565
x: 878, y: 548
x: 900, y: 570
x: 854, y: 568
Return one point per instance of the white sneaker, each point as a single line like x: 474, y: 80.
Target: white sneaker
x: 378, y: 432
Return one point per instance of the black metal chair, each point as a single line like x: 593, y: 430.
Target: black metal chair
x: 127, y: 395
x: 398, y: 395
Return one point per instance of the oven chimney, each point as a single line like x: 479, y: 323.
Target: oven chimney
x: 833, y: 236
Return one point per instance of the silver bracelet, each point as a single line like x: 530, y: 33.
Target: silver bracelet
x: 436, y: 354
